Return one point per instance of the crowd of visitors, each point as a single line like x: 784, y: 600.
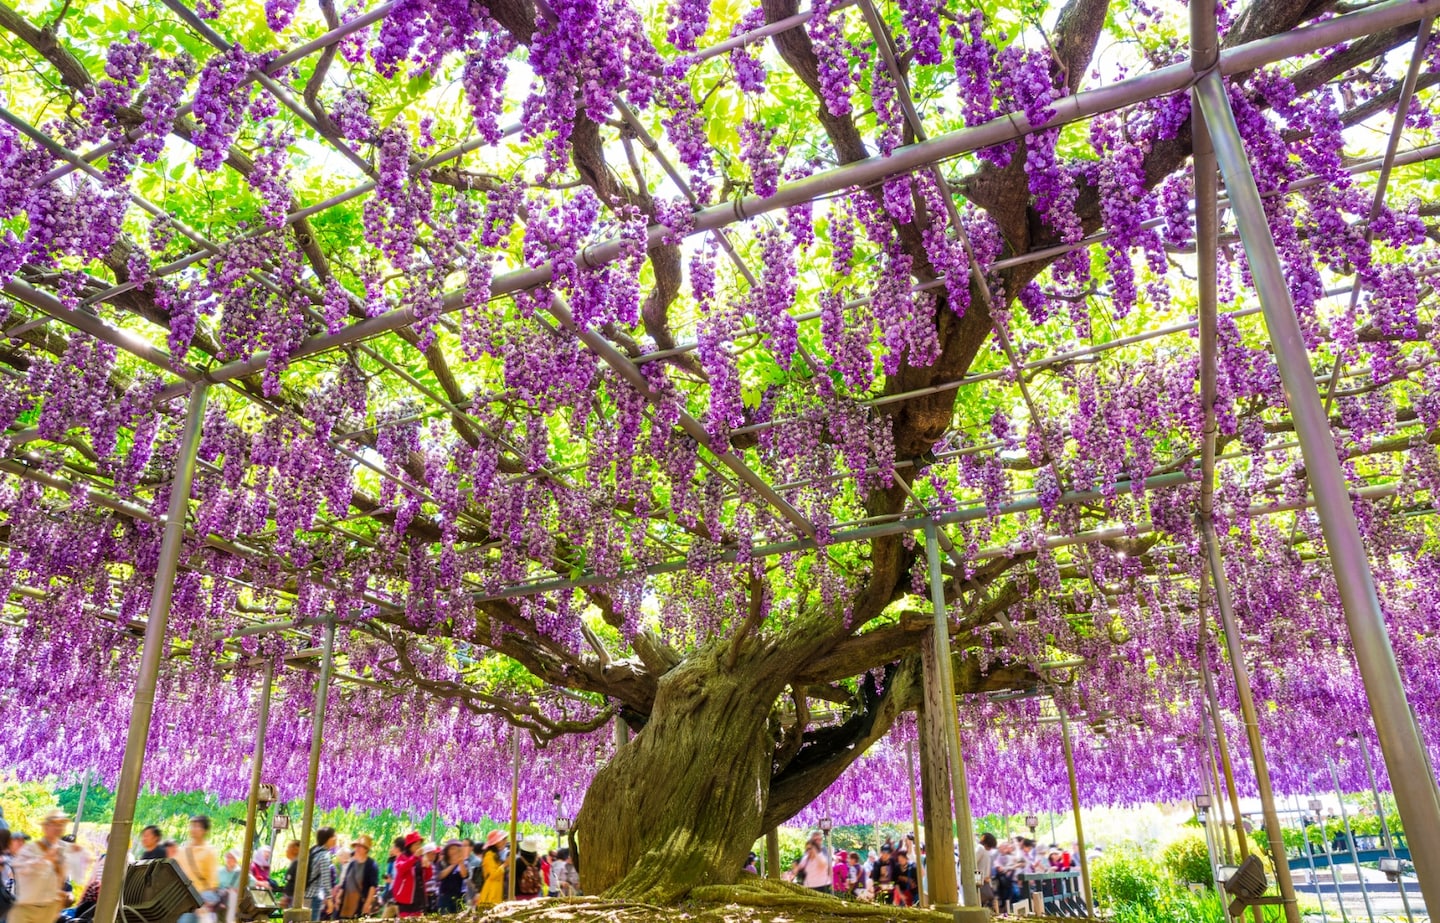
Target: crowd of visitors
x: 893, y: 874
x: 40, y: 878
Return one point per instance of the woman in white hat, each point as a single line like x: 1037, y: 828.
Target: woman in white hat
x: 40, y: 873
x: 529, y: 882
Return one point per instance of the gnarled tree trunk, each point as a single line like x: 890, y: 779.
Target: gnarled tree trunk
x: 681, y: 803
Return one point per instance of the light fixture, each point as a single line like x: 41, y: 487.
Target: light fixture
x: 1315, y: 807
x: 826, y: 826
x: 1202, y: 801
x: 1246, y: 883
x: 266, y: 793
x: 1032, y: 821
x: 1392, y: 868
x: 282, y: 821
x: 562, y: 825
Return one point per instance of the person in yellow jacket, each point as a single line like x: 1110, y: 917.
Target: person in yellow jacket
x: 492, y: 869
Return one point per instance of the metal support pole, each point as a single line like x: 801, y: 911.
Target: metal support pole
x: 80, y: 807
x: 915, y: 821
x: 1384, y: 824
x: 514, y: 811
x: 127, y: 789
x: 435, y: 812
x: 1208, y: 785
x: 257, y: 766
x: 299, y: 906
x: 1209, y: 769
x: 1310, y: 857
x: 1252, y: 724
x: 1075, y: 805
x: 1334, y: 872
x: 1207, y: 679
x: 1232, y: 792
x: 1210, y: 847
x: 1400, y: 742
x: 964, y: 826
x: 1350, y: 841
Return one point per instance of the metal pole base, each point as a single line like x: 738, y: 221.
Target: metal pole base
x: 964, y: 914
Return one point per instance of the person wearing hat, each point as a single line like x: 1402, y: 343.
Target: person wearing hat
x: 884, y: 873
x: 529, y: 882
x: 492, y: 869
x: 40, y: 874
x: 408, y: 886
x: 813, y: 868
x: 359, y: 882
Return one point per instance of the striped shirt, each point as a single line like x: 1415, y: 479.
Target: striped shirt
x: 320, y: 877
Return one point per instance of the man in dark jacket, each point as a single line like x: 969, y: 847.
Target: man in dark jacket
x: 151, y: 841
x: 360, y: 882
x: 287, y: 890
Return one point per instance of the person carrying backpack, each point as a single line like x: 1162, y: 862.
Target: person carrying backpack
x: 529, y: 883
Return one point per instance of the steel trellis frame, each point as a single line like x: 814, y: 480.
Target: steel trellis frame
x: 1400, y: 741
x: 1307, y: 39
x: 127, y: 788
x: 738, y: 206
x: 739, y: 210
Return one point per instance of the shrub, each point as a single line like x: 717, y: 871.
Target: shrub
x: 1188, y: 859
x: 1126, y: 879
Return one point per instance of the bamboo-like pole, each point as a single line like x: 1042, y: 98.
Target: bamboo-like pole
x: 257, y: 767
x: 1252, y: 724
x: 1075, y: 806
x: 942, y: 885
x: 915, y: 822
x: 1400, y: 742
x: 964, y: 826
x: 127, y: 789
x: 80, y: 807
x: 1207, y: 679
x: 772, y: 853
x: 435, y: 812
x: 514, y: 811
x: 300, y: 907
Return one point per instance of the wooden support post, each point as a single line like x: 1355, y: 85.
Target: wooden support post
x: 935, y: 778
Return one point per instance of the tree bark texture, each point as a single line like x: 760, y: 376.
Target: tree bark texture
x: 679, y: 805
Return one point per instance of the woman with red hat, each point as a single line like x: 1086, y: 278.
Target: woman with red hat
x: 408, y: 887
x: 492, y: 869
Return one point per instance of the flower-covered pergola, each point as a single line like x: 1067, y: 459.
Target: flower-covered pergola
x: 538, y: 365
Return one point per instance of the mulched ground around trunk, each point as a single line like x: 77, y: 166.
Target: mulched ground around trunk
x: 751, y: 901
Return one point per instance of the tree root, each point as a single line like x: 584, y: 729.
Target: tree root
x: 771, y: 894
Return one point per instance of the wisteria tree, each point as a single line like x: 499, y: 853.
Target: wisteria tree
x: 538, y: 482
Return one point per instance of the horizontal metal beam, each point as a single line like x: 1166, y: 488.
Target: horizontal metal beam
x: 858, y: 534
x: 1166, y: 80
x: 49, y: 305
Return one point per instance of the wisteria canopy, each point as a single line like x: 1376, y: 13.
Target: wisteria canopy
x: 598, y: 360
